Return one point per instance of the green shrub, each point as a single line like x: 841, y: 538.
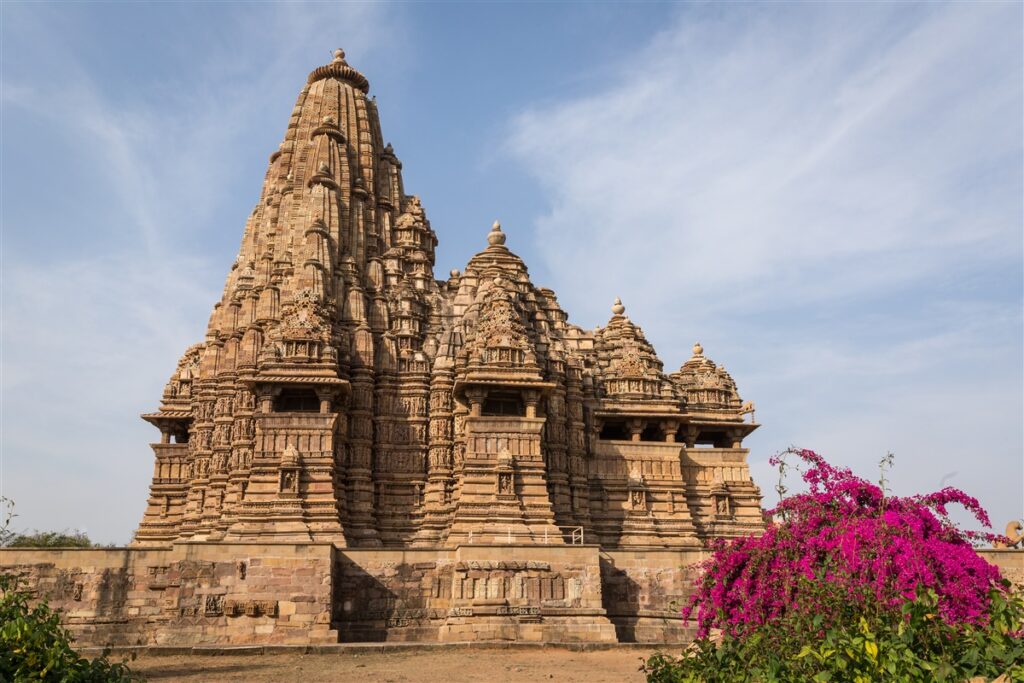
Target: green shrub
x: 34, y: 646
x: 51, y: 539
x: 916, y: 645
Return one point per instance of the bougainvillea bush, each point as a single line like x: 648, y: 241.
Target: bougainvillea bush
x: 848, y: 583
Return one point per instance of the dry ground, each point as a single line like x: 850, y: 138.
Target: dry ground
x: 448, y: 666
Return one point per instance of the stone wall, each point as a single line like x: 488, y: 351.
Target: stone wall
x: 495, y: 592
x: 1009, y: 561
x: 190, y: 594
x: 644, y: 590
x: 241, y: 594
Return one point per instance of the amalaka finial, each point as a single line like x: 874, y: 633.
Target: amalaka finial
x: 339, y: 55
x: 698, y: 350
x: 496, y: 237
x: 617, y: 307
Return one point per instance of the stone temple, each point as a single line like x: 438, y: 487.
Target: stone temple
x: 345, y: 395
x: 358, y: 450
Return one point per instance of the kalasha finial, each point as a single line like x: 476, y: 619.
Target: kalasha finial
x: 339, y: 55
x: 496, y: 237
x: 698, y: 350
x: 617, y: 307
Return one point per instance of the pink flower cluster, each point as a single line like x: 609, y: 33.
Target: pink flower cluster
x: 845, y: 535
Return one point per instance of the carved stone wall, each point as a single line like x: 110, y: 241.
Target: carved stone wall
x: 471, y: 593
x: 201, y: 594
x: 242, y: 594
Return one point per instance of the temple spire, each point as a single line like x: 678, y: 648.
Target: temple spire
x: 344, y: 395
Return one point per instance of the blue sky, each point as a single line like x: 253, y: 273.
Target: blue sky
x: 828, y: 196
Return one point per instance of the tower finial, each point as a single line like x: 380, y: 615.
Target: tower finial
x: 340, y: 70
x: 496, y: 237
x: 698, y: 350
x: 617, y: 307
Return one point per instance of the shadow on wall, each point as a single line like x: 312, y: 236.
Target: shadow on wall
x: 620, y: 597
x: 395, y: 607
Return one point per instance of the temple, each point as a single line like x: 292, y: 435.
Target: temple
x: 359, y: 451
x: 343, y: 394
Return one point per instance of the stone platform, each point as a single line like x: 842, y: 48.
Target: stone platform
x: 232, y: 595
x: 236, y: 594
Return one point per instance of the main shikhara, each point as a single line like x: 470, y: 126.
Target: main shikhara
x: 343, y: 394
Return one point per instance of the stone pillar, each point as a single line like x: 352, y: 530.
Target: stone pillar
x: 577, y: 449
x: 436, y: 499
x: 201, y: 450
x: 668, y: 430
x: 362, y: 528
x: 636, y: 428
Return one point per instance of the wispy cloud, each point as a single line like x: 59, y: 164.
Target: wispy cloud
x: 828, y: 196
x: 761, y: 148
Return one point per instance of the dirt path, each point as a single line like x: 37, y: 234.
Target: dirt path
x: 447, y: 666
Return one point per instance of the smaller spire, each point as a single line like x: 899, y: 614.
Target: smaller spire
x: 496, y: 237
x: 617, y: 307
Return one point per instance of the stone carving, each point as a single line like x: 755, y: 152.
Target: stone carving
x: 344, y: 394
x: 722, y: 501
x: 158, y: 577
x: 1014, y: 536
x: 213, y: 605
x: 250, y: 608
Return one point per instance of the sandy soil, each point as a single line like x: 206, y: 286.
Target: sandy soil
x: 449, y: 666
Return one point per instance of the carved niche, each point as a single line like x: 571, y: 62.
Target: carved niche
x: 288, y: 484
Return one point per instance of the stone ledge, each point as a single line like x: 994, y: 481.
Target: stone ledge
x: 354, y: 648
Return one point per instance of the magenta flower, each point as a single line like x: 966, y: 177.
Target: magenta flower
x: 846, y: 535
